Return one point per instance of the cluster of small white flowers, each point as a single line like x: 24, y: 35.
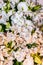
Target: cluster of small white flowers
x: 21, y: 25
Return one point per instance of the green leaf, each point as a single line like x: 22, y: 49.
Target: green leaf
x: 7, y: 7
x: 35, y: 8
x: 37, y: 58
x: 10, y: 21
x: 2, y: 28
x: 29, y: 46
x: 22, y: 0
x: 33, y: 31
x: 29, y: 8
x: 41, y: 28
x: 6, y: 1
x: 16, y: 49
x: 32, y: 45
x: 15, y: 62
x: 16, y: 8
x: 9, y: 44
x: 28, y: 17
x: 8, y: 25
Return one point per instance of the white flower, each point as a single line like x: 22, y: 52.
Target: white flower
x: 2, y: 21
x: 3, y: 18
x: 2, y: 47
x: 1, y: 3
x: 36, y: 18
x: 16, y: 1
x: 28, y: 61
x: 29, y: 25
x: 1, y: 56
x: 1, y: 62
x: 22, y: 6
x: 28, y: 2
x: 12, y: 3
x: 17, y: 19
x: 1, y: 39
x: 19, y: 55
x: 10, y: 37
